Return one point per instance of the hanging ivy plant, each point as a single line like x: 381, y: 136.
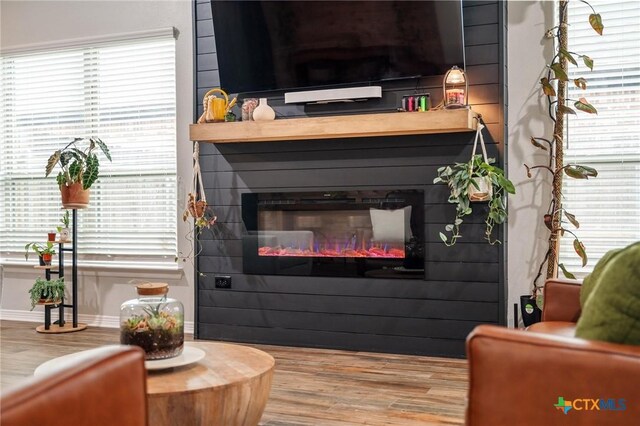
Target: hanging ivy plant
x: 462, y: 180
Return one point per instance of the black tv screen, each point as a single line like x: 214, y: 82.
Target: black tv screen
x: 281, y: 45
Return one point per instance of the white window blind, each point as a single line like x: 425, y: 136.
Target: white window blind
x: 125, y: 94
x: 607, y: 207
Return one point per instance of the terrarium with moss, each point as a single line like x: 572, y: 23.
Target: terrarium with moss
x: 153, y: 322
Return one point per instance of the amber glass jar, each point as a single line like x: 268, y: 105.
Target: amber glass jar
x: 153, y: 321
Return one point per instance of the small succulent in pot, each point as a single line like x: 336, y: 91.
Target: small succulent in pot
x: 64, y: 230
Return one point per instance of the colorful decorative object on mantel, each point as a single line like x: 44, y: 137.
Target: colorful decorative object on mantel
x: 217, y: 109
x: 456, y: 88
x: 248, y: 106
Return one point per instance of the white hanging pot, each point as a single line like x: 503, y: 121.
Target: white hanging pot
x: 263, y: 111
x: 483, y: 192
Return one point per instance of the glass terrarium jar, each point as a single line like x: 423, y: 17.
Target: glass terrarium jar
x: 153, y: 321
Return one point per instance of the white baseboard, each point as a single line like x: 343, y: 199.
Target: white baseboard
x: 91, y: 320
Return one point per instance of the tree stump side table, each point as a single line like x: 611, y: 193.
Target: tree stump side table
x: 229, y: 387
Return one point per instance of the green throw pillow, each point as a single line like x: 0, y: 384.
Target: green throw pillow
x: 611, y: 309
x: 589, y: 282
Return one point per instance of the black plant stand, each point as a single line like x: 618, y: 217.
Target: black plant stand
x: 62, y: 326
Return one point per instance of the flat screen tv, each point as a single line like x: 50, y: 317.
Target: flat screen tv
x: 285, y: 45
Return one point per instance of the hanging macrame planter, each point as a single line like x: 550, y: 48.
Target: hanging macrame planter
x: 481, y: 189
x: 197, y: 206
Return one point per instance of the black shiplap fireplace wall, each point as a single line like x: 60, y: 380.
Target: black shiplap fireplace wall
x: 463, y: 285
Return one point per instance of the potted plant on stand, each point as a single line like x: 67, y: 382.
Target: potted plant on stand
x: 64, y: 230
x: 45, y: 291
x: 79, y: 170
x: 477, y: 180
x: 45, y: 251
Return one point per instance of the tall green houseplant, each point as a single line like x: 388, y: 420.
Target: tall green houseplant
x: 554, y: 88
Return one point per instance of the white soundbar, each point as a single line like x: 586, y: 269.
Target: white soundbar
x: 333, y: 95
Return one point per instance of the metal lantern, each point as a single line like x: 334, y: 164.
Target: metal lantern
x: 455, y: 88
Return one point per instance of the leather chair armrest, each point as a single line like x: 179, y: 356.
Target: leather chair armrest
x: 108, y: 390
x: 561, y: 300
x: 516, y: 377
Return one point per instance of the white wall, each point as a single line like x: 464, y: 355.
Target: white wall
x: 101, y: 291
x: 527, y: 50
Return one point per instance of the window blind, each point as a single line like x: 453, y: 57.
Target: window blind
x: 608, y: 206
x: 125, y: 94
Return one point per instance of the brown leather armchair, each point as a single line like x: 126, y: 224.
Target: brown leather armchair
x: 517, y: 377
x: 108, y: 390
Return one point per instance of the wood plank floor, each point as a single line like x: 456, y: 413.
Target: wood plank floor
x: 311, y: 386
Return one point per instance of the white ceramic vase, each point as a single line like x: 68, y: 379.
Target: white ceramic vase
x: 263, y: 111
x: 65, y: 234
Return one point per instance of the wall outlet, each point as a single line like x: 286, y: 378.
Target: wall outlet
x: 223, y: 281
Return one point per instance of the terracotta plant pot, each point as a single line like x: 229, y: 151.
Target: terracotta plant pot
x: 74, y: 197
x: 43, y: 300
x: 51, y: 236
x: 46, y: 258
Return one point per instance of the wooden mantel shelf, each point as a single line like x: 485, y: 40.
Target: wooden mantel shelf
x: 335, y: 127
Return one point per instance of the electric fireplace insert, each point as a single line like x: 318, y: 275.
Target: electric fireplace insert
x: 375, y: 234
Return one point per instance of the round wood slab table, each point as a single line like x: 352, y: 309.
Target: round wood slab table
x: 228, y: 387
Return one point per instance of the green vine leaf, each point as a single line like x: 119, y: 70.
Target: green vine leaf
x: 563, y: 109
x: 547, y: 88
x: 572, y: 219
x: 596, y: 22
x: 559, y: 73
x: 590, y: 171
x: 534, y: 142
x: 585, y: 106
x: 506, y: 184
x: 579, y: 248
x: 566, y: 273
x: 443, y: 237
x: 578, y: 171
x: 569, y: 57
x: 581, y: 83
x: 588, y: 62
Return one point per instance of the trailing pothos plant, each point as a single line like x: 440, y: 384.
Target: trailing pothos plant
x: 554, y: 88
x: 463, y: 179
